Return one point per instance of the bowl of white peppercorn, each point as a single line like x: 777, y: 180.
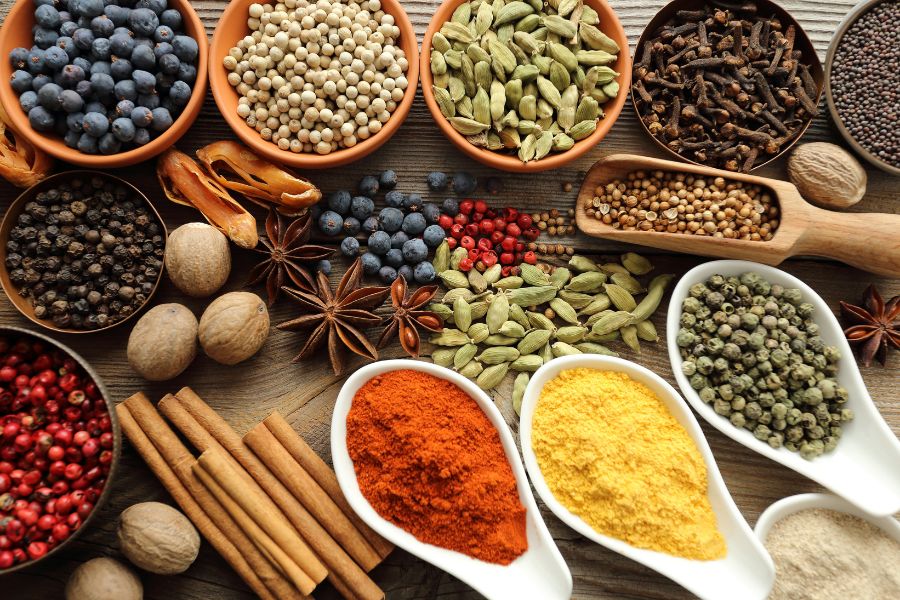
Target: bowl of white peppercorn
x: 314, y: 84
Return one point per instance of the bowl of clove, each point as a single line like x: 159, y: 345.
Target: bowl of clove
x: 731, y: 86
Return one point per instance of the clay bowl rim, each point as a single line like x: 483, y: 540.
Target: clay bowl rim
x: 849, y: 19
x: 15, y: 209
x: 117, y: 440
x: 21, y: 16
x: 508, y: 162
x: 801, y: 42
x: 226, y: 97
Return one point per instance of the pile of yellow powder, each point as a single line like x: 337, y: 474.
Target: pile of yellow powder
x: 612, y: 453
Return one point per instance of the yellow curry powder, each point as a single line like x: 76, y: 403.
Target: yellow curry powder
x: 612, y: 453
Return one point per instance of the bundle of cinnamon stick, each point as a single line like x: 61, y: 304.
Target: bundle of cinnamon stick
x: 266, y: 502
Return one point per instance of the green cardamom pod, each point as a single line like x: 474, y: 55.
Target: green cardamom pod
x: 438, y: 64
x: 525, y: 73
x: 627, y: 282
x: 528, y: 23
x: 492, y: 274
x: 562, y: 55
x: 563, y: 349
x: 595, y: 57
x: 620, y: 297
x: 566, y: 7
x: 612, y: 322
x: 518, y: 392
x: 597, y: 40
x: 478, y: 332
x: 462, y: 14
x: 512, y: 329
x: 587, y: 110
x: 599, y: 315
x: 442, y: 80
x: 484, y: 75
x: 467, y: 126
x: 456, y: 88
x: 472, y: 369
x: 510, y: 137
x: 650, y: 302
x: 546, y: 353
x: 439, y: 42
x: 453, y: 279
x: 532, y: 296
x: 476, y: 281
x: 464, y: 107
x: 560, y: 277
x: 629, y: 336
x: 581, y: 263
x: 599, y: 303
x: 597, y: 338
x: 509, y: 283
x: 479, y: 310
x: 646, y: 331
x: 450, y: 337
x: 527, y: 127
x: 522, y: 57
x: 496, y: 5
x: 540, y: 321
x: 595, y: 348
x: 497, y: 70
x: 564, y: 311
x: 481, y: 106
x: 510, y: 119
x: 467, y: 74
x: 611, y: 267
x: 576, y: 300
x: 497, y: 101
x: 537, y: 5
x: 636, y: 264
x: 611, y: 89
x: 544, y: 145
x: 562, y: 27
x: 528, y: 108
x: 571, y: 334
x: 559, y: 76
x: 527, y: 43
x: 589, y: 282
x: 443, y: 356
x: 456, y: 256
x: 534, y: 340
x: 513, y: 93
x: 544, y: 110
x: 477, y: 54
x: 583, y: 129
x: 548, y: 91
x: 453, y: 30
x: 599, y: 96
x: 498, y: 313
x: 492, y: 376
x: 529, y: 144
x: 562, y: 142
x: 444, y: 101
x: 495, y: 339
x: 441, y: 261
x: 483, y: 18
x: 512, y: 11
x: 517, y: 314
x: 533, y: 275
x: 462, y: 314
x: 528, y: 364
x: 442, y: 310
x: 540, y: 33
x: 493, y: 141
x: 589, y: 16
x: 503, y: 54
x: 451, y: 295
x: 464, y: 355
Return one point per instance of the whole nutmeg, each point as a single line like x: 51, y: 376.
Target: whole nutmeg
x: 163, y: 342
x: 198, y: 259
x: 104, y: 579
x: 827, y: 175
x: 158, y: 538
x: 234, y: 327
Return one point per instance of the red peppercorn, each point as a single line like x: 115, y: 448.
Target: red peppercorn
x: 524, y: 221
x: 467, y: 242
x: 508, y: 244
x: 7, y: 374
x: 457, y: 231
x: 474, y: 254
x: 531, y: 233
x: 461, y: 219
x: 5, y: 483
x: 513, y: 230
x: 73, y: 521
x: 452, y: 242
x: 481, y: 206
x: 486, y: 227
x: 11, y: 430
x: 73, y: 471
x: 472, y: 229
x: 466, y: 206
x: 76, y: 397
x: 6, y: 559
x: 90, y: 448
x: 506, y: 258
x: 69, y: 382
x: 60, y: 532
x: 46, y: 522
x: 19, y: 555
x: 466, y: 264
x: 510, y: 214
x: 497, y: 237
x: 31, y: 478
x: 37, y: 550
x: 63, y: 437
x: 489, y: 258
x: 80, y: 437
x: 520, y: 246
x: 484, y: 244
x: 477, y: 217
x: 445, y: 221
x: 27, y: 516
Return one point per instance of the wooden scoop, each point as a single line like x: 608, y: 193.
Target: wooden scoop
x: 869, y: 241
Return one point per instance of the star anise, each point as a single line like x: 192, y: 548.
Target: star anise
x: 287, y: 255
x: 337, y: 316
x: 405, y: 317
x: 872, y: 328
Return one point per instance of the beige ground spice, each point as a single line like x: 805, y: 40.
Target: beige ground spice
x: 828, y: 555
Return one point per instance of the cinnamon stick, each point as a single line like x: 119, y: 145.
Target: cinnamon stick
x: 171, y: 462
x: 313, y: 497
x: 206, y: 429
x: 319, y: 470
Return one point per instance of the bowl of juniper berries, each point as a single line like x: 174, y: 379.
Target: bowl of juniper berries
x: 102, y: 83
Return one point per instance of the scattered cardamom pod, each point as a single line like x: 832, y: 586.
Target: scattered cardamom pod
x: 519, y: 385
x: 454, y: 279
x: 462, y: 314
x: 472, y: 369
x: 563, y: 349
x: 464, y: 355
x: 492, y: 376
x: 443, y: 356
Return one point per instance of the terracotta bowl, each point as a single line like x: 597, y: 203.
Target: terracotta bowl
x: 23, y: 305
x: 232, y: 27
x: 851, y: 18
x: 16, y: 32
x: 610, y: 25
x: 766, y: 7
x: 17, y: 332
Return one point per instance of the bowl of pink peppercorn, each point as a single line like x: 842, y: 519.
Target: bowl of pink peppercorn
x: 59, y: 447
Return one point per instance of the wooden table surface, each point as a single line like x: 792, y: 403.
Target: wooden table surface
x: 305, y: 393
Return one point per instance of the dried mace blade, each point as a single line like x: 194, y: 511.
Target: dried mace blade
x: 405, y: 318
x: 872, y: 327
x: 337, y: 316
x: 287, y: 255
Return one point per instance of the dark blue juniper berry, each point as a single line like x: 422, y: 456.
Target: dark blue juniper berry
x: 21, y: 81
x: 431, y: 212
x: 95, y: 124
x: 162, y: 119
x: 433, y: 236
x: 379, y: 243
x: 330, y: 223
x: 186, y: 48
x: 108, y: 144
x: 415, y: 251
x: 142, y: 116
x: 438, y: 181
x: 70, y: 101
x: 370, y: 263
x: 352, y: 225
x: 143, y: 21
x: 464, y: 183
x: 391, y: 219
x: 414, y: 224
x: 398, y: 239
x: 394, y: 199
x: 362, y: 207
x: 41, y: 119
x: 350, y: 247
x: 371, y: 224
x: 406, y: 271
x: 387, y: 180
x: 394, y: 257
x: 123, y: 128
x: 387, y: 274
x: 368, y: 186
x: 339, y: 201
x: 424, y: 272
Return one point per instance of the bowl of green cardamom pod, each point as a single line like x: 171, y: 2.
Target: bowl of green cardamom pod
x: 525, y: 86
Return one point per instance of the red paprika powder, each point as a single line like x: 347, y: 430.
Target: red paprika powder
x: 430, y: 461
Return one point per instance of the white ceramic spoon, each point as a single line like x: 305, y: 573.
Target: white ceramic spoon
x: 792, y: 504
x: 865, y: 467
x: 746, y: 573
x: 540, y: 573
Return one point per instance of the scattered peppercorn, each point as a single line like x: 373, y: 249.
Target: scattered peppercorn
x: 670, y: 202
x: 86, y: 253
x: 865, y: 76
x: 752, y: 351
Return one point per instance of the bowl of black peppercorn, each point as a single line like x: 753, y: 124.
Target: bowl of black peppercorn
x: 81, y: 251
x: 861, y: 75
